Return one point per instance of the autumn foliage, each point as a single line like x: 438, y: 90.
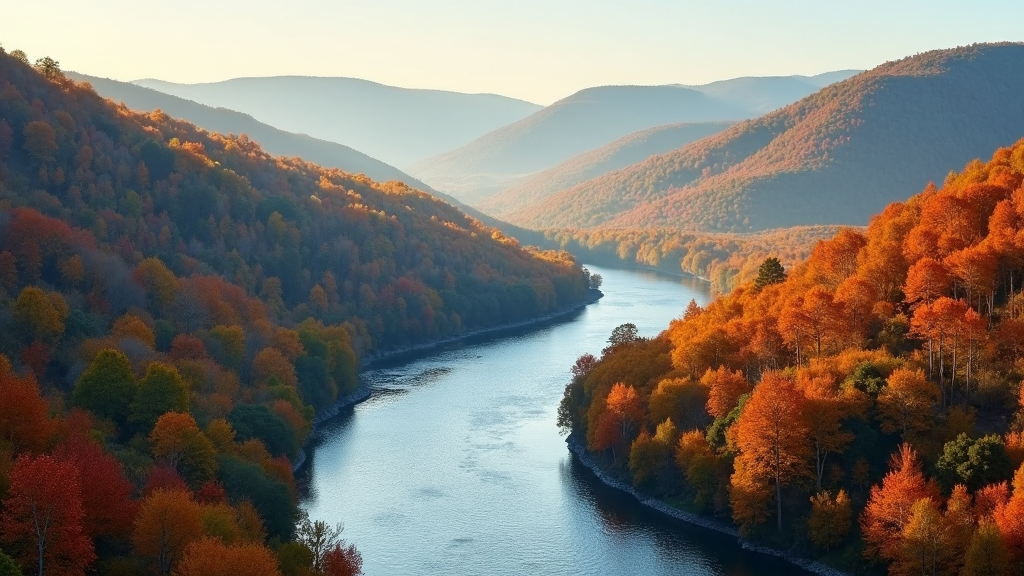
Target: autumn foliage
x: 901, y: 339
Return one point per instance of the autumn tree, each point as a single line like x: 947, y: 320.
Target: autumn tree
x: 40, y: 315
x: 25, y: 424
x: 177, y: 440
x: 724, y: 390
x: 890, y: 505
x: 830, y: 519
x: 166, y: 524
x: 623, y: 413
x: 772, y: 437
x: 319, y: 537
x: 271, y: 363
x: 42, y: 517
x: 343, y: 561
x: 212, y: 557
x: 107, y: 502
x: 906, y: 402
x: 987, y: 554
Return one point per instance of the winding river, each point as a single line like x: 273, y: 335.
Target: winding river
x: 455, y: 466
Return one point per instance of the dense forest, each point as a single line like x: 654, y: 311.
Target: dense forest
x: 725, y: 260
x: 175, y: 308
x: 864, y: 406
x: 836, y: 157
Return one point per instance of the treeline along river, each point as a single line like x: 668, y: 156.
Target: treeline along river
x: 455, y: 465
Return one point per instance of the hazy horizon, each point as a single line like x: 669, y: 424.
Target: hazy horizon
x: 532, y: 50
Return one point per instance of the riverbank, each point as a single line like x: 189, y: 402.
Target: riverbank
x: 362, y: 393
x: 369, y: 360
x: 579, y: 451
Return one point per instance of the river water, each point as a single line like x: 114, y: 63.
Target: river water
x: 455, y: 465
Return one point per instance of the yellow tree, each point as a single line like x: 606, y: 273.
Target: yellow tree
x: 905, y: 404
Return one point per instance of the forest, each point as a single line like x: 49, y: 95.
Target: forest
x: 177, y: 306
x: 863, y: 407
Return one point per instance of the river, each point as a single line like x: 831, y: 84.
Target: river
x: 455, y: 465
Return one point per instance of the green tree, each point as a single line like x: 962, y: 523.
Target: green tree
x: 8, y: 567
x: 107, y: 387
x: 770, y: 272
x: 257, y: 421
x: 39, y: 315
x: 161, y: 390
x: 49, y: 68
x: 246, y: 481
x: 623, y: 334
x: 975, y: 463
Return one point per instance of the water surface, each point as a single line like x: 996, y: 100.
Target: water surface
x: 455, y: 465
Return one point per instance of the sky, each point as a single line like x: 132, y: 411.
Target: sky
x: 536, y: 50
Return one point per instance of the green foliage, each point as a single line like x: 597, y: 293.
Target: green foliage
x: 161, y: 390
x: 974, y: 463
x: 7, y: 566
x: 257, y: 421
x: 295, y: 559
x: 315, y: 383
x: 716, y: 432
x: 107, y: 388
x: 770, y: 272
x: 246, y: 481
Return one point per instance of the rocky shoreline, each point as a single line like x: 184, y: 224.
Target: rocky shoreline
x: 362, y: 393
x: 577, y: 448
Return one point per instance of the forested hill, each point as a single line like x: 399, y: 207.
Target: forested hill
x: 863, y: 407
x: 835, y: 157
x: 224, y: 121
x: 273, y: 240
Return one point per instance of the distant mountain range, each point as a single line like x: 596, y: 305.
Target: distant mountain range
x: 621, y: 153
x: 399, y: 126
x: 273, y: 140
x: 594, y: 117
x: 835, y: 157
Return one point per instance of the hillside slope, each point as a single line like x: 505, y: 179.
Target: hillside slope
x: 593, y: 118
x: 224, y: 121
x: 394, y: 265
x: 396, y: 125
x: 835, y: 157
x: 623, y: 152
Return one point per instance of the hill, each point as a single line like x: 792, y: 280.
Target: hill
x: 623, y: 152
x: 590, y: 119
x: 849, y: 408
x: 835, y: 157
x: 399, y: 126
x: 224, y: 121
x: 760, y: 95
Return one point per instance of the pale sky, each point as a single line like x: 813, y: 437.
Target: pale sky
x: 537, y: 50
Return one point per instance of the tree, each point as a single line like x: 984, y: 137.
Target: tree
x: 25, y: 425
x: 271, y: 363
x: 772, y: 437
x: 343, y: 561
x: 823, y: 413
x: 987, y: 554
x: 889, y: 506
x: 623, y: 334
x: 107, y: 501
x: 623, y: 413
x: 724, y: 390
x: 167, y: 523
x: 177, y: 440
x: 319, y: 537
x: 42, y: 518
x: 975, y: 463
x: 830, y: 520
x: 212, y: 557
x: 40, y: 143
x: 769, y: 272
x: 8, y: 567
x: 905, y: 404
x: 40, y: 315
x: 49, y: 68
x: 922, y: 541
x: 161, y: 390
x: 257, y: 421
x: 107, y: 387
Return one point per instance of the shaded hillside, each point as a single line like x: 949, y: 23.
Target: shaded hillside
x: 395, y: 265
x: 396, y: 125
x: 835, y: 157
x: 593, y: 118
x: 224, y: 121
x: 619, y: 154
